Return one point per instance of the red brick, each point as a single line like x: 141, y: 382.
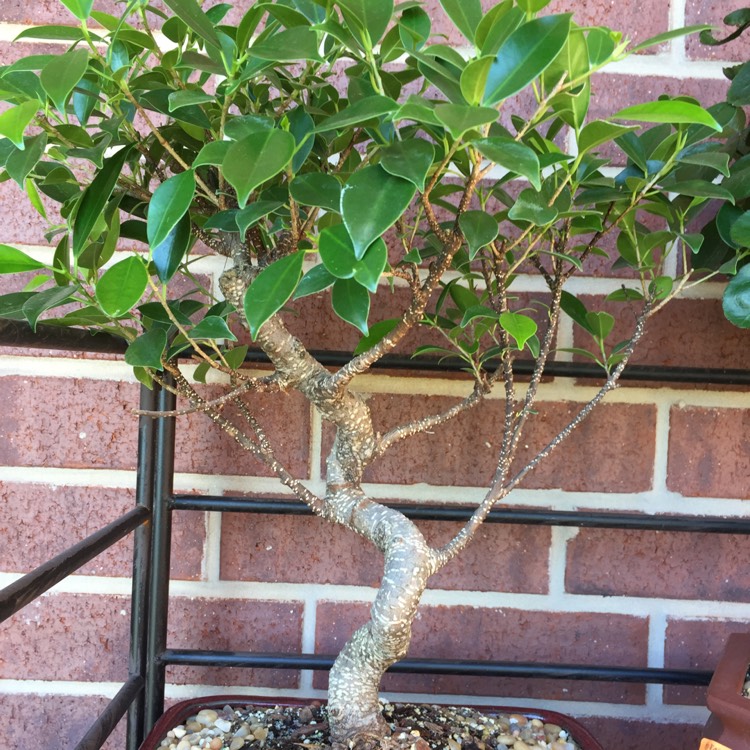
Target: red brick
x: 505, y: 635
x: 60, y: 721
x: 67, y: 423
x: 32, y: 517
x: 708, y: 450
x: 584, y: 463
x: 622, y: 733
x: 309, y: 550
x: 695, y: 644
x: 612, y: 562
x: 713, y: 12
x: 93, y: 632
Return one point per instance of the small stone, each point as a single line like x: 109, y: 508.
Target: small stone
x: 216, y: 743
x: 305, y: 714
x: 260, y: 733
x: 193, y: 726
x: 242, y: 731
x: 521, y: 745
x: 237, y: 743
x: 183, y: 745
x: 519, y: 719
x: 506, y: 739
x: 207, y: 717
x: 223, y: 725
x: 453, y: 744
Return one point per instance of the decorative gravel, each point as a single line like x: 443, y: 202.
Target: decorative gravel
x: 421, y: 727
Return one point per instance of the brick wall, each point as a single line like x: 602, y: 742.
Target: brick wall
x: 528, y: 593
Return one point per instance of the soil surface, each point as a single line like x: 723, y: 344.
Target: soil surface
x: 414, y: 727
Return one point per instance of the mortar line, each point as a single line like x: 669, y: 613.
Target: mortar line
x: 661, y: 447
x: 657, y: 635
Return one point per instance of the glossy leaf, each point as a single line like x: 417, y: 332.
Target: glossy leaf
x: 41, y: 302
x: 351, y: 302
x: 465, y: 14
x: 496, y: 26
x: 169, y: 203
x: 60, y: 76
x: 317, y: 189
x: 191, y: 14
x: 599, y: 132
x: 600, y: 324
x: 168, y: 254
x: 371, y: 202
x: 11, y: 305
x: 525, y: 55
x: 337, y: 251
x: 81, y: 9
x: 369, y: 108
x: 474, y: 79
x: 212, y: 327
x: 315, y: 280
x: 95, y: 198
x: 479, y: 229
x: 512, y: 155
x: 410, y: 160
x: 214, y: 152
x: 56, y: 33
x: 532, y: 207
x: 298, y: 43
x: 253, y: 213
x: 520, y: 327
x: 736, y: 301
x: 14, y: 121
x: 178, y: 99
x: 669, y: 35
x: 271, y: 290
x: 378, y: 331
x: 20, y: 163
x: 458, y: 118
x: 255, y: 159
x: 368, y: 270
x: 121, y: 287
x: 15, y: 261
x: 373, y: 15
x: 147, y: 349
x: 672, y: 111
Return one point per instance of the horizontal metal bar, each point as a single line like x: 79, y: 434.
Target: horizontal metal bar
x: 187, y: 657
x: 717, y: 525
x: 35, y: 583
x: 112, y: 714
x: 19, y: 333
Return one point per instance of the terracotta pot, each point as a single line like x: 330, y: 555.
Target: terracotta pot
x: 179, y: 713
x: 728, y: 728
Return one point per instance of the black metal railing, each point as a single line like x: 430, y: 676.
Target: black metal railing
x: 150, y: 521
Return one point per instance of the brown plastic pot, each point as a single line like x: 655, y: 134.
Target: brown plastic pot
x: 180, y: 712
x: 728, y: 727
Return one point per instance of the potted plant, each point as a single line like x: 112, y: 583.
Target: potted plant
x: 338, y: 149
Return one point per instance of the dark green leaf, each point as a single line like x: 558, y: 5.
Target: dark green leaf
x: 14, y: 261
x: 479, y: 229
x: 168, y: 255
x: 337, y: 251
x: 253, y: 213
x: 736, y: 302
x: 40, y: 302
x: 668, y: 35
x: 95, y: 198
x: 378, y: 331
x: 409, y: 159
x: 517, y: 158
x: 195, y: 19
x: 317, y: 189
x: 371, y: 202
x: 369, y: 108
x: 212, y: 327
x: 532, y: 207
x: 57, y: 33
x: 121, y: 287
x: 298, y: 43
x: 255, y: 159
x: 739, y: 89
x: 147, y: 349
x: 189, y: 98
x: 14, y: 121
x: 214, y: 152
x: 739, y: 229
x: 700, y: 189
x: 11, y: 305
x: 20, y: 163
x: 169, y: 203
x: 525, y: 55
x: 373, y: 15
x: 368, y: 270
x: 351, y: 302
x: 60, y: 76
x: 600, y: 324
x: 459, y: 118
x: 270, y: 291
x: 598, y: 132
x: 315, y: 280
x: 465, y: 14
x: 574, y: 309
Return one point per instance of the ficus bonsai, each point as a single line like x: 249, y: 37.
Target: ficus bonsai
x: 336, y: 148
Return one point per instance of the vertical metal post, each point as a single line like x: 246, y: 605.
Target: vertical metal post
x: 158, y: 594
x: 144, y: 496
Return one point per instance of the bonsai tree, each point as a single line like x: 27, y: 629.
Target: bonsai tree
x: 337, y: 148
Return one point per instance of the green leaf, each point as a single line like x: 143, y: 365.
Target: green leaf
x: 214, y: 153
x: 599, y: 132
x: 81, y: 9
x: 190, y: 98
x: 255, y: 159
x: 600, y: 324
x: 368, y: 270
x: 533, y: 6
x: 147, y: 349
x: 516, y: 157
x: 95, y: 198
x: 11, y: 305
x: 373, y: 15
x: 574, y: 309
x: 479, y: 229
x: 525, y: 55
x: 253, y: 213
x: 121, y: 287
x: 739, y: 230
x: 57, y: 33
x: 699, y: 189
x: 369, y: 108
x: 315, y: 280
x: 410, y: 159
x: 459, y: 118
x: 520, y: 327
x: 739, y: 89
x: 212, y: 327
x: 351, y: 302
x: 668, y: 35
x: 168, y: 255
x: 14, y: 261
x: 736, y: 302
x: 474, y: 79
x: 532, y: 207
x: 477, y: 311
x: 271, y: 289
x: 235, y: 357
x: 20, y: 163
x: 672, y: 111
x: 337, y: 251
x: 496, y: 26
x: 40, y: 302
x: 378, y: 331
x: 60, y: 76
x: 465, y: 14
x: 317, y: 189
x: 14, y: 121
x: 371, y: 202
x: 169, y: 203
x: 601, y: 45
x: 298, y: 43
x: 190, y: 13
